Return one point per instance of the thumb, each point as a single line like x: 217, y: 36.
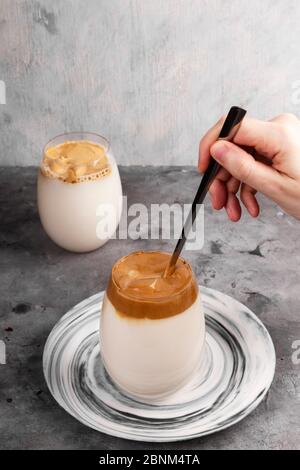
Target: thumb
x: 245, y: 168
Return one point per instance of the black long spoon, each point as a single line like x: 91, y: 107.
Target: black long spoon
x: 229, y: 129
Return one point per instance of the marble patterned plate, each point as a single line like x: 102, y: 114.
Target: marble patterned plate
x: 231, y: 380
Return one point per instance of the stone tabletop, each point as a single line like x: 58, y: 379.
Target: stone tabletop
x: 255, y: 261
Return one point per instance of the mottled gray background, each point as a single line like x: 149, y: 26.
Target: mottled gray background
x: 151, y: 75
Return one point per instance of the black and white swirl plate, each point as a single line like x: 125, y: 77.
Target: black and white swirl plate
x: 232, y: 379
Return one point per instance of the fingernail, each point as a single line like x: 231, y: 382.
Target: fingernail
x: 218, y: 150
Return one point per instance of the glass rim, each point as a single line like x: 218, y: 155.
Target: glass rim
x: 74, y: 133
x: 157, y: 299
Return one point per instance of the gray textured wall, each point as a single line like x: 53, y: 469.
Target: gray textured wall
x: 151, y: 75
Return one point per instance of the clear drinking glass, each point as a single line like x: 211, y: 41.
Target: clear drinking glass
x: 150, y: 357
x: 80, y: 216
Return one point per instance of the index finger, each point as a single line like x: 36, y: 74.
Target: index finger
x: 206, y: 142
x: 263, y: 136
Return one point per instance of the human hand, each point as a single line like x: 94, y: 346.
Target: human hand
x: 269, y: 162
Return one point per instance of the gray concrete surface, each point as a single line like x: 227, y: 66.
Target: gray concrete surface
x: 256, y: 261
x: 150, y: 75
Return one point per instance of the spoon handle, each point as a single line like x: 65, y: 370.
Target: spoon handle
x: 229, y: 129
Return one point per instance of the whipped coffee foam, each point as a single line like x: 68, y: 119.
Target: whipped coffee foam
x: 138, y: 289
x: 75, y: 161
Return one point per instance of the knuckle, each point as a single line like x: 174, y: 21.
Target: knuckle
x: 285, y: 121
x: 289, y: 117
x: 284, y: 117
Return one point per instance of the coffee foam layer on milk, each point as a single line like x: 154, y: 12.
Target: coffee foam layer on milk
x: 76, y: 161
x: 138, y: 289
